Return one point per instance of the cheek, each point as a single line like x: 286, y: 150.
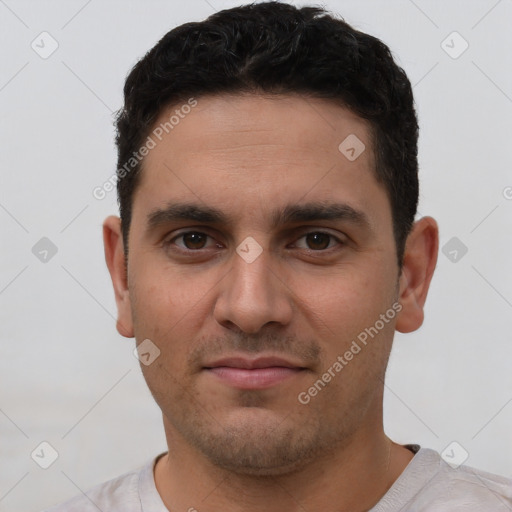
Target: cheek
x: 170, y: 310
x: 347, y: 299
x: 343, y: 311
x: 165, y: 296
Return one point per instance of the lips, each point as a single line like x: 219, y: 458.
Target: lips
x: 248, y: 364
x: 260, y: 373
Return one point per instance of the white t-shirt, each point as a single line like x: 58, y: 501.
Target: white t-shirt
x: 428, y: 484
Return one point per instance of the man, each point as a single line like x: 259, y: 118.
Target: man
x: 265, y: 255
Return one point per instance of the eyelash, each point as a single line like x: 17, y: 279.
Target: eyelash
x: 175, y: 248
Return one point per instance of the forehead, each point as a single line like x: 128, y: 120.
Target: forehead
x: 247, y: 122
x: 246, y: 152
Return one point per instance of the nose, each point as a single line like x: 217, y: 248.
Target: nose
x: 252, y: 295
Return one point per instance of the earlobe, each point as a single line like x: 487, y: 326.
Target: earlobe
x: 420, y: 258
x: 114, y: 257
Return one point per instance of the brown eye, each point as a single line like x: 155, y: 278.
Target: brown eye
x: 318, y: 241
x: 194, y: 240
x: 191, y: 244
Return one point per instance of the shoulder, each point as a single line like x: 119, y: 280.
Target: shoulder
x: 468, y: 487
x: 481, y: 485
x: 120, y: 493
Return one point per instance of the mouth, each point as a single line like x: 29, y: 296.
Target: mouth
x: 260, y: 373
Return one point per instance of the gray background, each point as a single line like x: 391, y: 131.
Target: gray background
x: 68, y: 378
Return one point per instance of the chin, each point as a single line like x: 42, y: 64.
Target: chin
x: 257, y: 442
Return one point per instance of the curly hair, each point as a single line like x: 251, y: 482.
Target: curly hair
x: 277, y: 48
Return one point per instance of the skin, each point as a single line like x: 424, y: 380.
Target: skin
x: 304, y: 298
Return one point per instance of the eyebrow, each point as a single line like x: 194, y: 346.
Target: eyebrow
x: 290, y: 213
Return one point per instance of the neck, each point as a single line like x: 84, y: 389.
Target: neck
x: 352, y: 477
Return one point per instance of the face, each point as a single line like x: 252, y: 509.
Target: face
x: 260, y: 255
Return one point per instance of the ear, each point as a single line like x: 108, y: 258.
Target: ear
x: 420, y: 258
x: 114, y: 256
